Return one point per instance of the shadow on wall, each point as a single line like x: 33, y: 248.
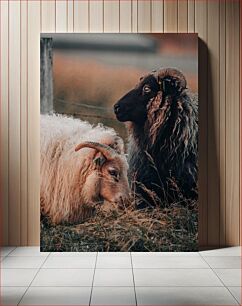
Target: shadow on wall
x: 209, y: 175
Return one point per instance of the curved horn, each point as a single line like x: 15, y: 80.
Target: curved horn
x: 173, y: 73
x: 107, y: 151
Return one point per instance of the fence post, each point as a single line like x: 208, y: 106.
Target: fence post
x: 46, y: 76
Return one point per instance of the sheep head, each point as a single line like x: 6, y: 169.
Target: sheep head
x: 156, y: 86
x: 109, y: 173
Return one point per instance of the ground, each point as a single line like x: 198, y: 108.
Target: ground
x: 127, y: 229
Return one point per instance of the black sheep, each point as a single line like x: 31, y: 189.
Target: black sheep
x: 162, y: 120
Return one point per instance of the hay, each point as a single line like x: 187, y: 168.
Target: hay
x: 127, y: 229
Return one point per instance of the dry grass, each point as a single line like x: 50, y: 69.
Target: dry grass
x: 91, y: 82
x: 127, y: 229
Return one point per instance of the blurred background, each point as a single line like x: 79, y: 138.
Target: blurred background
x: 92, y: 71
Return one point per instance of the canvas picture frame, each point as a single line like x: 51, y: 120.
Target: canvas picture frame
x: 119, y: 142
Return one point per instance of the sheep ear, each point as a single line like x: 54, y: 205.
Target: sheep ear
x: 171, y: 86
x: 172, y: 81
x: 99, y: 161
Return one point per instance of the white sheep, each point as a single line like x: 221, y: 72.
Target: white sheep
x: 73, y: 182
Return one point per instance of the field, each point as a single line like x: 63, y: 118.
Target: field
x: 88, y: 89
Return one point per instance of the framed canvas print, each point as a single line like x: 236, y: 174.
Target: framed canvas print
x: 119, y: 142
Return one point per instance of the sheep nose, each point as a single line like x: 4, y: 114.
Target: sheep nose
x: 116, y: 108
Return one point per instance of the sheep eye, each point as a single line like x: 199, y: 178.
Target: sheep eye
x: 146, y: 89
x: 113, y: 173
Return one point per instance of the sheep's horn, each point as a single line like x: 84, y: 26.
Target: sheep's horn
x: 174, y: 73
x: 107, y: 151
